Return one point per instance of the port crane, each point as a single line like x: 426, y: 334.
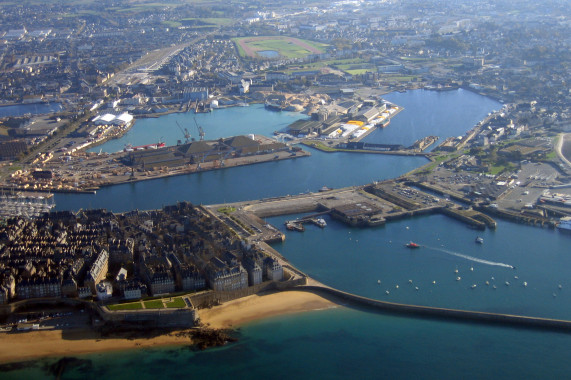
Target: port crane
x: 185, y: 133
x: 200, y: 130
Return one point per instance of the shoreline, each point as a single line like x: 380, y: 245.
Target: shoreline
x: 59, y: 343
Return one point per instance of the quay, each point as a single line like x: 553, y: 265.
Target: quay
x: 360, y: 206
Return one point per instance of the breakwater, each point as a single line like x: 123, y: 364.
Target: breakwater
x: 442, y: 313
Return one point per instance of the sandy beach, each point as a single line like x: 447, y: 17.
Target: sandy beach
x: 36, y: 344
x: 247, y: 309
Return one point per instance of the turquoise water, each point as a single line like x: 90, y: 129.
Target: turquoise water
x: 348, y: 343
x: 344, y: 344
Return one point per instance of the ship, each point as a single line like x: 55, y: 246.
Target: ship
x: 565, y: 223
x: 294, y: 226
x: 385, y: 123
x: 411, y: 244
x: 479, y: 240
x: 320, y: 222
x: 131, y: 148
x: 273, y: 106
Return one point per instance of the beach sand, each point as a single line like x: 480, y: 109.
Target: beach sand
x: 52, y: 343
x: 247, y: 309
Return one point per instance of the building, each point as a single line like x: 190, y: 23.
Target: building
x: 104, y: 290
x: 273, y: 269
x: 254, y: 271
x: 224, y: 278
x: 111, y: 119
x: 98, y: 270
x: 160, y: 280
x: 39, y: 287
x: 194, y: 94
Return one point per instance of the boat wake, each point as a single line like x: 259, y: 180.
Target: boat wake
x: 471, y: 258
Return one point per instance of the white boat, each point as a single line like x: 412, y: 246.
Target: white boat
x: 320, y: 222
x: 479, y: 240
x: 565, y: 223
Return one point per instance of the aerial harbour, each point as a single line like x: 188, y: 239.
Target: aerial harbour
x: 357, y: 189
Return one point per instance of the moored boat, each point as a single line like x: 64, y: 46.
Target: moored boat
x: 565, y: 224
x: 130, y: 148
x: 294, y: 226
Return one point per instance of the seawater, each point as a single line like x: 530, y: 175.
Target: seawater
x: 443, y: 114
x: 346, y: 342
x: 342, y: 343
x: 258, y: 181
x: 226, y: 122
x: 355, y: 260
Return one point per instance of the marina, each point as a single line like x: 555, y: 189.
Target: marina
x: 25, y: 204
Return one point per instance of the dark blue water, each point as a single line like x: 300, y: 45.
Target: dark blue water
x: 245, y: 183
x: 34, y: 109
x: 444, y: 114
x: 347, y: 343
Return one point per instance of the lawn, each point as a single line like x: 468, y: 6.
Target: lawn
x: 284, y: 48
x: 177, y: 303
x: 227, y: 209
x: 288, y: 47
x: 126, y: 306
x: 212, y: 20
x: 360, y: 71
x: 154, y: 304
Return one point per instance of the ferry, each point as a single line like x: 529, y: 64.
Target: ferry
x: 131, y: 148
x: 412, y: 245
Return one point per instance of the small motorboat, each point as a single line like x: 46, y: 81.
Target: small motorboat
x: 412, y: 245
x: 479, y: 240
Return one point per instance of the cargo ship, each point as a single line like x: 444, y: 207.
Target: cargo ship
x: 131, y: 148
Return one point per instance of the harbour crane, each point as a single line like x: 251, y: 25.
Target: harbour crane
x: 185, y: 133
x: 200, y: 130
